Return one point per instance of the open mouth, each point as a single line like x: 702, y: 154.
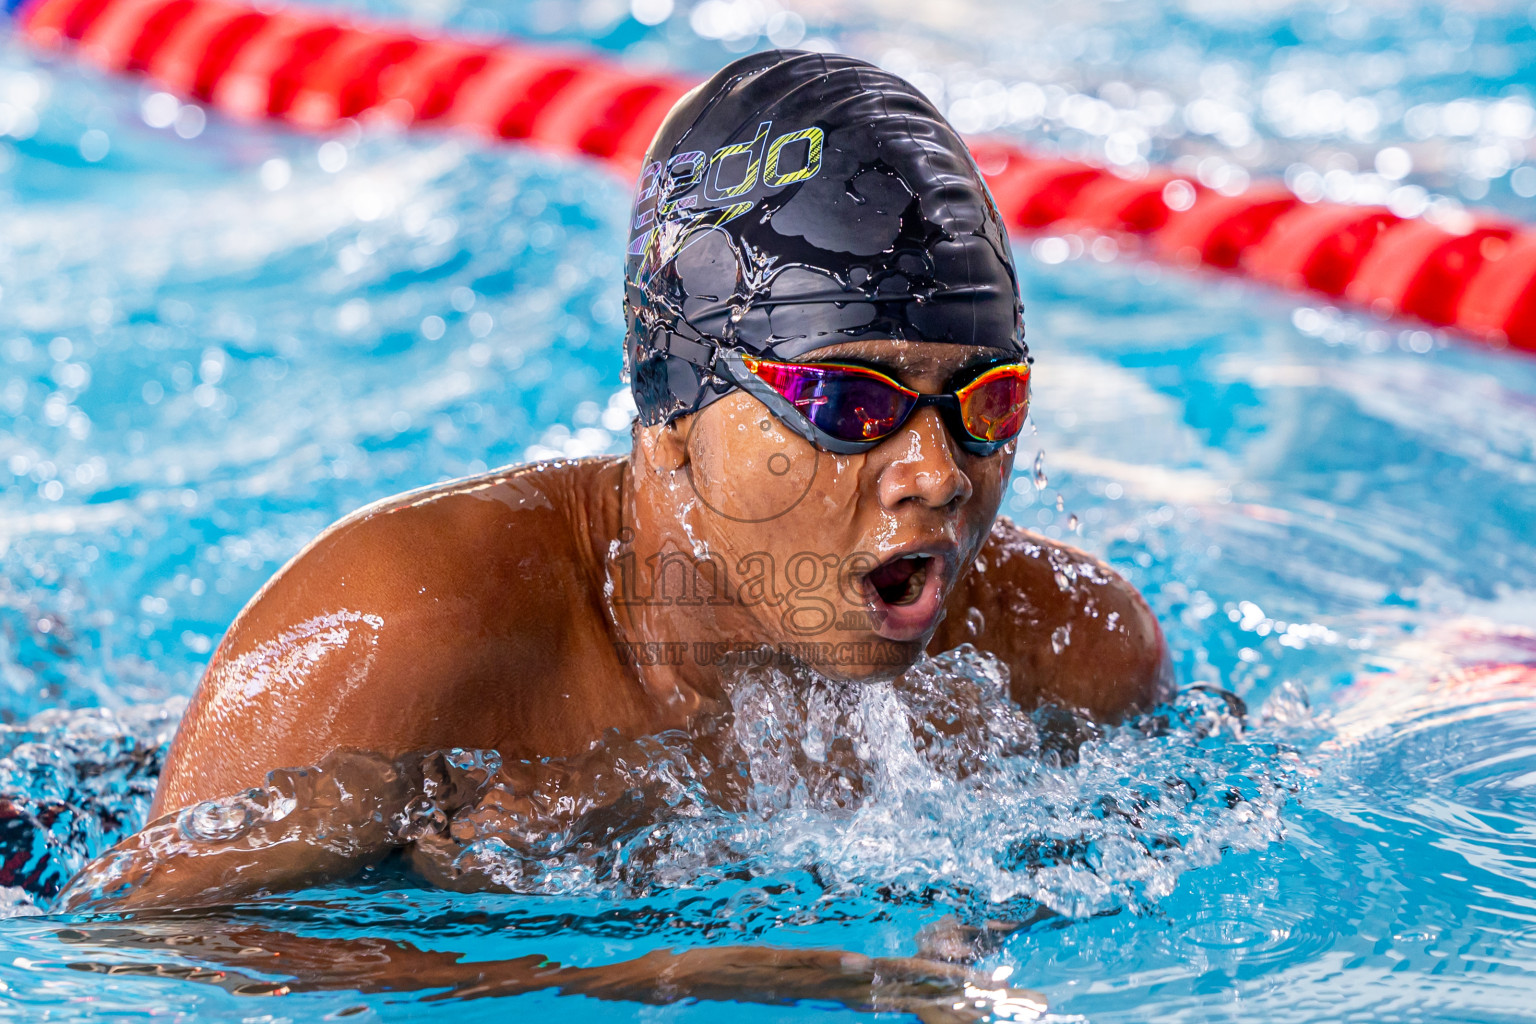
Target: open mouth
x: 900, y: 581
x: 906, y: 595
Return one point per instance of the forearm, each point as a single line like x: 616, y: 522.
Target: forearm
x: 764, y: 974
x: 306, y: 826
x: 931, y: 990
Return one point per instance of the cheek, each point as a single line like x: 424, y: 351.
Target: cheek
x: 991, y: 476
x: 745, y: 468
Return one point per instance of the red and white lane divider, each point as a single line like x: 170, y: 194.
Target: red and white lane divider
x: 313, y: 70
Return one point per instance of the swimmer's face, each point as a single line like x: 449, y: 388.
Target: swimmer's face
x: 849, y: 558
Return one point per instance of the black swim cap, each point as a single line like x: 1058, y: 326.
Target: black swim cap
x: 799, y: 200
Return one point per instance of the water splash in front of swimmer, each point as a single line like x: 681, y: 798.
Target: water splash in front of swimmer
x: 935, y: 789
x: 942, y: 777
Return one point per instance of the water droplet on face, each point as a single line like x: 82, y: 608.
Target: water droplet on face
x: 1041, y: 480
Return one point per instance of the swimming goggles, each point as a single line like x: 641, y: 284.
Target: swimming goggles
x: 849, y: 409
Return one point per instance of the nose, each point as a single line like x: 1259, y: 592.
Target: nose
x: 925, y: 470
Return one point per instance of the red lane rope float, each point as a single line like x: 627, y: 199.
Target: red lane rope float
x: 314, y: 70
x: 1318, y: 247
x: 1218, y: 229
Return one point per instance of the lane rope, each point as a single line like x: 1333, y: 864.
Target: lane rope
x: 312, y: 70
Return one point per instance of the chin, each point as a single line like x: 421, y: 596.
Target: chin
x: 868, y: 659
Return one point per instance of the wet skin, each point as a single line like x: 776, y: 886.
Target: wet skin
x: 542, y: 609
x: 926, y: 989
x: 513, y: 611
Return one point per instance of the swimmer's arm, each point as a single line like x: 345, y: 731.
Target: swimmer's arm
x: 306, y: 826
x: 429, y: 621
x: 1071, y: 630
x: 931, y: 990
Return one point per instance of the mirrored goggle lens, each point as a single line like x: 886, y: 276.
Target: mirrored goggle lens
x: 848, y: 403
x: 994, y: 405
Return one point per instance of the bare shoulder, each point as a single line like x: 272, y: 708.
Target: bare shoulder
x: 407, y: 625
x: 458, y: 519
x: 1070, y: 628
x: 447, y: 549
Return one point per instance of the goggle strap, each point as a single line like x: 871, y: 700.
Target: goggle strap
x: 689, y: 351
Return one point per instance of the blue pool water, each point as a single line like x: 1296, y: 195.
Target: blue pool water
x: 216, y: 338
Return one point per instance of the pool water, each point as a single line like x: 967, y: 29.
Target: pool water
x: 218, y: 337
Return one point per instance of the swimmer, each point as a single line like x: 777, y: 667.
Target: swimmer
x: 825, y: 345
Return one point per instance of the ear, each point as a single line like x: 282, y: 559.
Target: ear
x: 665, y: 446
